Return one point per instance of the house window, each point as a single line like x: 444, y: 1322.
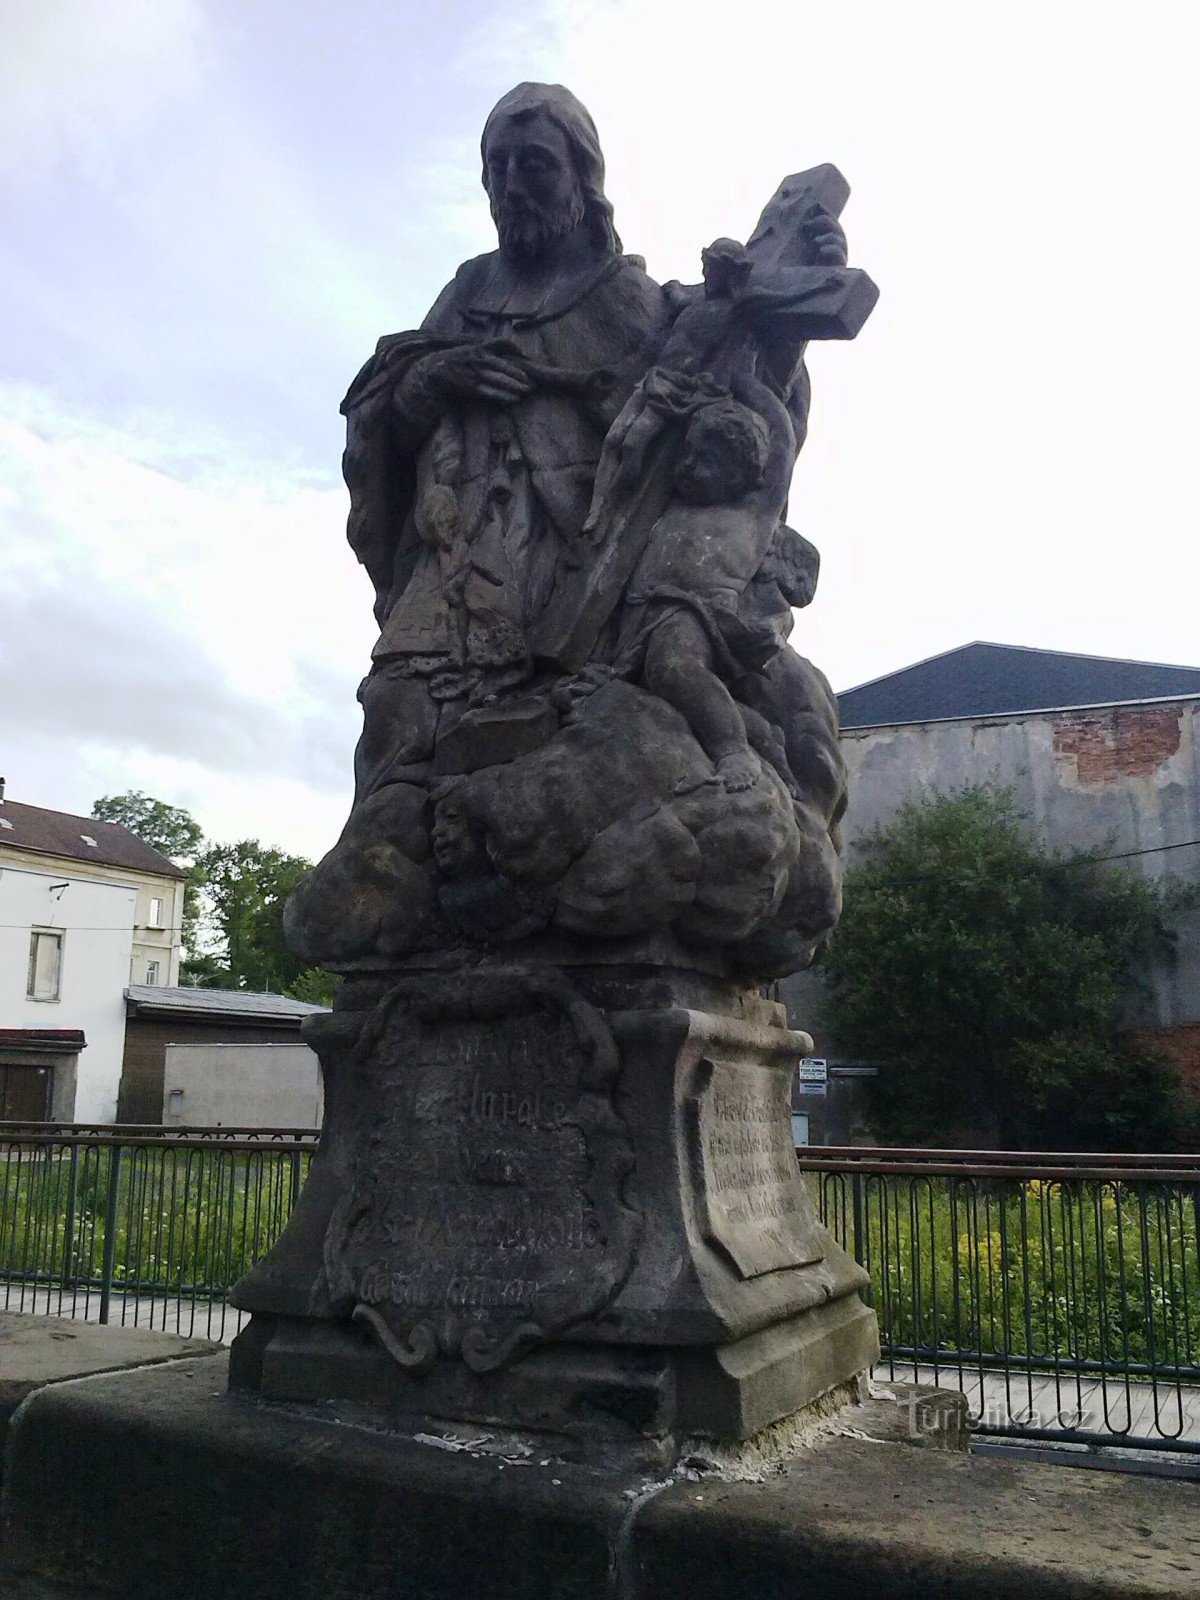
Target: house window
x: 156, y: 911
x: 152, y: 972
x: 45, y: 964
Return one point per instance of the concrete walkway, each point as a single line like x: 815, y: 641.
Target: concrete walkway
x: 1125, y: 1408
x: 193, y: 1320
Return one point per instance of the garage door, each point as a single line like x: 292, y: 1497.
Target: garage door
x: 24, y: 1092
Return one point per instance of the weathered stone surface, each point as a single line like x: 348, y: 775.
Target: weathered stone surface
x: 917, y: 1413
x: 749, y: 1199
x: 207, y: 1496
x: 533, y: 1161
x: 859, y: 1517
x: 568, y: 487
x: 584, y: 738
x: 485, y: 1212
x: 35, y: 1351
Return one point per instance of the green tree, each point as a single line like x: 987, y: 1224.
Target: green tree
x: 246, y: 886
x: 233, y: 901
x: 170, y: 830
x: 174, y: 833
x: 314, y: 985
x: 990, y: 979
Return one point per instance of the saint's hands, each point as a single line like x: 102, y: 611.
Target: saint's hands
x: 479, y: 372
x: 824, y: 240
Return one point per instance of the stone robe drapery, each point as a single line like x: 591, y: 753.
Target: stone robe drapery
x: 527, y: 469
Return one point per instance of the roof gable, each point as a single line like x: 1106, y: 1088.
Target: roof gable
x: 58, y: 833
x: 984, y: 680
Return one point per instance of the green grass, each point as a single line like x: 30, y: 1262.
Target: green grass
x: 184, y: 1219
x: 1079, y: 1271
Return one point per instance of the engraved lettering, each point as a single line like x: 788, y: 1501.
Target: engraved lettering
x: 752, y: 1197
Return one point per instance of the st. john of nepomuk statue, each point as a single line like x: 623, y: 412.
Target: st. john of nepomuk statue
x: 596, y: 810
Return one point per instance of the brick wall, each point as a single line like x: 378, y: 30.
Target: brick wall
x: 1120, y: 743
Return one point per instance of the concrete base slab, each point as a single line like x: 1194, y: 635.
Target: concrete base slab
x: 35, y: 1351
x: 207, y: 1495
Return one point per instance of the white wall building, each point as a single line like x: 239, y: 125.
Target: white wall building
x: 242, y: 1086
x: 85, y: 909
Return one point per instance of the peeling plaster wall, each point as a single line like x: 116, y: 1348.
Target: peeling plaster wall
x: 1118, y: 778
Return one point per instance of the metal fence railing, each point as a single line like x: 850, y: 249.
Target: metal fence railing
x: 146, y: 1226
x: 1060, y: 1292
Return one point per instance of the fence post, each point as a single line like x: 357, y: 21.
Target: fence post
x: 69, y: 1227
x: 857, y: 1190
x: 110, y: 1229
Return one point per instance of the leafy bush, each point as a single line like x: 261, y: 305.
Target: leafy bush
x: 990, y: 978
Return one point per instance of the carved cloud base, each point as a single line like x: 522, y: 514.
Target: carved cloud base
x: 557, y: 1202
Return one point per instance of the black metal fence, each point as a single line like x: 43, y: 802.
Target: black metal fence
x: 146, y: 1226
x: 1061, y: 1293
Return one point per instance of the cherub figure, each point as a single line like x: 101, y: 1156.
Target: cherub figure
x: 681, y: 631
x: 471, y: 893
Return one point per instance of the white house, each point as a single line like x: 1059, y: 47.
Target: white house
x: 85, y: 910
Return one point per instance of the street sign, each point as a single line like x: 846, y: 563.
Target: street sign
x: 814, y: 1075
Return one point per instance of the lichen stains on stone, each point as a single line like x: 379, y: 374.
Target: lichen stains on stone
x: 1108, y: 746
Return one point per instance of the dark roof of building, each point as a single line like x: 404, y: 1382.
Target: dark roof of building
x: 987, y: 680
x: 57, y: 833
x: 67, y: 1040
x: 231, y: 1005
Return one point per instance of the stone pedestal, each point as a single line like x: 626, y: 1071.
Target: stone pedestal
x: 557, y: 1200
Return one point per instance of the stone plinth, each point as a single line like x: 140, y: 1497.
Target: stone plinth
x: 162, y: 1483
x: 555, y: 1200
x: 35, y: 1351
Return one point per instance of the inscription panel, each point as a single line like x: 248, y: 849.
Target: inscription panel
x: 481, y: 1213
x: 752, y: 1200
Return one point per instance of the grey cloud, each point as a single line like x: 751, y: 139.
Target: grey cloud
x: 88, y: 662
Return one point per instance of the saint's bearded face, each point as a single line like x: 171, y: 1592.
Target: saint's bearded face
x: 532, y: 185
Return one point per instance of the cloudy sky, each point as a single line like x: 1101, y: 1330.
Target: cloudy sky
x: 210, y: 210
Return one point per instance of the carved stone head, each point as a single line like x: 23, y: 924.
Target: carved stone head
x: 457, y: 844
x: 727, y: 266
x: 544, y: 172
x: 724, y: 454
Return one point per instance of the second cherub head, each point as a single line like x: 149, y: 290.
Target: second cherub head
x: 724, y: 454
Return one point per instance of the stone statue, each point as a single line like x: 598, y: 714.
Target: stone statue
x: 597, y: 804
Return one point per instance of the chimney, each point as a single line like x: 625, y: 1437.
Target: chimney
x: 1, y: 791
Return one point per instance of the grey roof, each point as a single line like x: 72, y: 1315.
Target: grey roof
x: 234, y: 1004
x: 58, y: 833
x: 986, y: 680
